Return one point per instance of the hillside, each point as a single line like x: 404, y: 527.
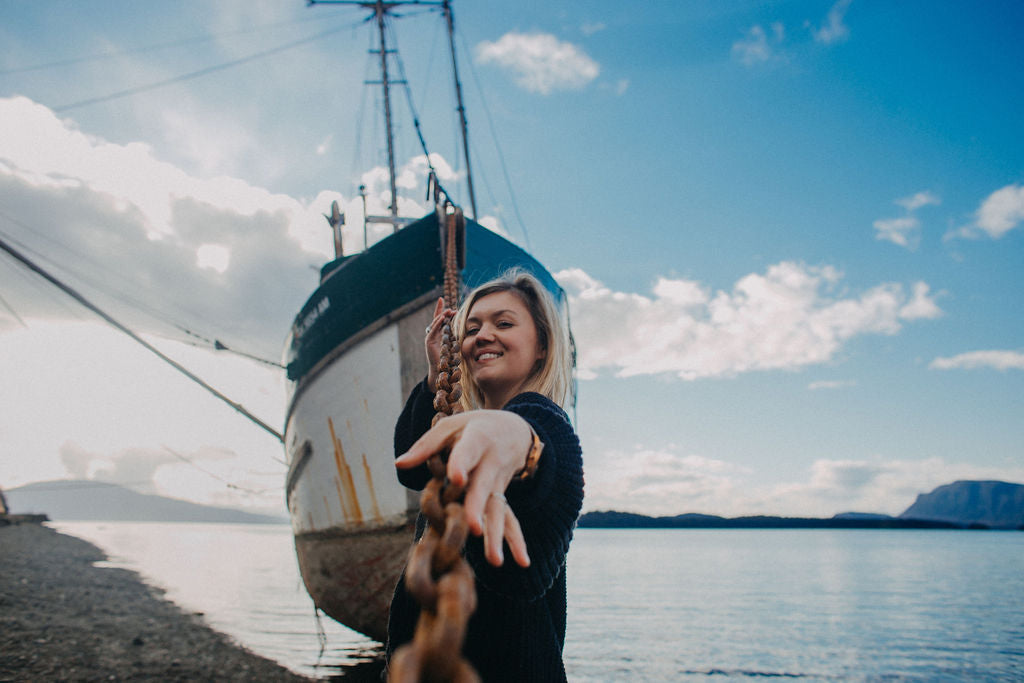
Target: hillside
x: 960, y: 505
x: 76, y: 500
x: 993, y: 504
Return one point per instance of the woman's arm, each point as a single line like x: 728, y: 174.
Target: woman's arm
x: 487, y: 448
x: 412, y: 424
x: 419, y: 408
x: 547, y: 504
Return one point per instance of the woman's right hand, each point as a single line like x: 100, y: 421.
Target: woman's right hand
x: 433, y: 342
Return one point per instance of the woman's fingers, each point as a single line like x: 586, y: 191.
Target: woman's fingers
x: 515, y: 539
x: 494, y: 528
x: 483, y: 486
x: 436, y: 439
x: 501, y: 526
x: 468, y: 450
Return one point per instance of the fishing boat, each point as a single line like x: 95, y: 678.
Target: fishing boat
x: 353, y: 355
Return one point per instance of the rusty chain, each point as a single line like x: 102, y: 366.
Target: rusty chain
x: 437, y: 575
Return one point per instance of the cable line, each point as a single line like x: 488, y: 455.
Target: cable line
x: 137, y: 304
x: 497, y: 146
x: 149, y: 347
x: 201, y: 72
x: 151, y: 48
x: 227, y: 483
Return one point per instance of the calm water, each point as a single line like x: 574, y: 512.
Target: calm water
x: 659, y: 605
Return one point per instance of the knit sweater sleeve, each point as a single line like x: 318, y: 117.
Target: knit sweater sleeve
x: 413, y: 423
x: 546, y: 505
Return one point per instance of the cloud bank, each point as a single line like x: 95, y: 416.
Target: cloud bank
x: 785, y: 318
x: 670, y: 482
x: 540, y: 62
x: 972, y: 360
x: 214, y: 254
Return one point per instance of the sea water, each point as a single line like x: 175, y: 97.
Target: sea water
x: 656, y: 605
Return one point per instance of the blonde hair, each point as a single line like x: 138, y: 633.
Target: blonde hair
x: 554, y: 376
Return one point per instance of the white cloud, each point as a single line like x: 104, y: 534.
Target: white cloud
x: 193, y: 250
x: 999, y: 360
x: 590, y: 28
x: 921, y: 305
x: 659, y: 481
x: 905, y: 230
x: 830, y: 384
x: 780, y: 320
x: 540, y: 62
x: 324, y: 146
x: 876, y: 485
x: 834, y: 30
x: 916, y: 201
x: 902, y: 231
x: 1001, y: 211
x: 663, y: 481
x: 756, y: 47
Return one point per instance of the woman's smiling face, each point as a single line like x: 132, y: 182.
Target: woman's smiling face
x: 500, y: 346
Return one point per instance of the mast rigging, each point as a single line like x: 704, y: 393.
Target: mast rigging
x: 31, y: 265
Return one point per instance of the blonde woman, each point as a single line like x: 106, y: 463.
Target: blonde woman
x: 520, y: 458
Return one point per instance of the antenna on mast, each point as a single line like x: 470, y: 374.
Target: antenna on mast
x: 380, y: 10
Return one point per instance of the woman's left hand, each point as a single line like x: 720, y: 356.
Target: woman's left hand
x: 487, y: 448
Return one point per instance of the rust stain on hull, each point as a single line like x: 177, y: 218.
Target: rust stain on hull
x: 347, y: 488
x: 373, y: 492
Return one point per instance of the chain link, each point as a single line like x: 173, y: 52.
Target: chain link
x: 437, y: 575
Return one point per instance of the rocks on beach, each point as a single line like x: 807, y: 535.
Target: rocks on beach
x: 63, y: 618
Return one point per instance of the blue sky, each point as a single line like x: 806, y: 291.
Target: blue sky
x: 791, y: 231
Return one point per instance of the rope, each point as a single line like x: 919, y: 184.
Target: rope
x: 437, y: 575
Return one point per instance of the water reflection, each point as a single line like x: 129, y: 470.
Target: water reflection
x: 244, y: 580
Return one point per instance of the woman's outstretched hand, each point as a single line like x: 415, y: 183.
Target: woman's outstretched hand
x: 433, y: 342
x: 487, y: 448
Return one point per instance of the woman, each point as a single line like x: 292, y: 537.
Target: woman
x: 517, y: 374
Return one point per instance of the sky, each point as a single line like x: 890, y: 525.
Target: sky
x: 792, y: 233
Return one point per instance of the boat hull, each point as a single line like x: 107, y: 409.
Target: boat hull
x: 354, y: 354
x: 351, y: 518
x: 352, y: 577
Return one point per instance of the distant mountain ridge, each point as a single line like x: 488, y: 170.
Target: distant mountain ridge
x: 992, y: 504
x: 83, y: 500
x: 628, y: 520
x: 960, y: 505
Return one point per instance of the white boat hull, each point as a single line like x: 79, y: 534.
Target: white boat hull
x: 351, y: 517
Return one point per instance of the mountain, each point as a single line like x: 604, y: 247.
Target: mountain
x: 861, y: 515
x: 77, y: 500
x: 629, y: 520
x: 993, y: 504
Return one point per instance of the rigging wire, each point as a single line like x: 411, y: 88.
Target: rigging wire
x: 201, y: 72
x: 13, y: 312
x: 227, y: 483
x: 132, y: 302
x: 46, y: 292
x: 149, y: 347
x: 156, y: 46
x: 497, y: 146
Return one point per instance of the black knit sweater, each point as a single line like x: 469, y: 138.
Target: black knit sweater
x: 518, y: 630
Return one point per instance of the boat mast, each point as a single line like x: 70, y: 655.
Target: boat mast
x: 379, y: 10
x: 449, y: 19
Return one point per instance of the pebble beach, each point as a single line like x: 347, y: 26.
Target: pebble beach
x: 65, y: 617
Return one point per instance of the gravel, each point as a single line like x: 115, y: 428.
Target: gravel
x: 63, y: 618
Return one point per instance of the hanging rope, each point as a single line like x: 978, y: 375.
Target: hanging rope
x: 437, y: 575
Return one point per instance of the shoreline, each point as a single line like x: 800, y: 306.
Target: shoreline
x: 64, y: 618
